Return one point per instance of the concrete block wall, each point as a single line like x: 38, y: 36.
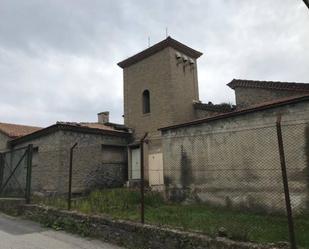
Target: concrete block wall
x: 235, y: 162
x: 251, y: 96
x: 94, y: 165
x: 45, y: 162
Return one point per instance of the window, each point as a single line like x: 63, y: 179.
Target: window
x: 146, y: 101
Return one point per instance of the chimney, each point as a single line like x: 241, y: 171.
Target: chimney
x: 103, y: 117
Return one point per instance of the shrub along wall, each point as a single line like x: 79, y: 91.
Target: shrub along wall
x: 130, y: 234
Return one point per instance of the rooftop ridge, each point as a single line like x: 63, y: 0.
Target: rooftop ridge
x: 168, y: 42
x: 279, y: 85
x: 251, y: 109
x: 33, y: 126
x: 17, y: 130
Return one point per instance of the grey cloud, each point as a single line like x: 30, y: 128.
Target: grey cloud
x: 58, y: 58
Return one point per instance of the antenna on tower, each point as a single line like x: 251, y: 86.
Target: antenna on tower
x: 148, y: 41
x: 166, y: 32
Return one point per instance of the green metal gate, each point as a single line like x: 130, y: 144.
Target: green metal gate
x: 15, y: 173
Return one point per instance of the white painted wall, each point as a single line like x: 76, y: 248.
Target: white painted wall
x: 136, y: 164
x: 155, y: 162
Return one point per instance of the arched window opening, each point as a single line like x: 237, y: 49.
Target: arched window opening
x: 146, y: 101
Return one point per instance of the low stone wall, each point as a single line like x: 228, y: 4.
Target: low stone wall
x: 12, y: 206
x: 133, y: 235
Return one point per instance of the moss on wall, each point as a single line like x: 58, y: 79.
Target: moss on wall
x: 186, y: 177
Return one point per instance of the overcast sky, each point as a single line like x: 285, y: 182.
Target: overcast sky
x: 58, y: 58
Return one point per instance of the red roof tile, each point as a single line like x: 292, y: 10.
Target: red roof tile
x: 15, y: 130
x: 278, y: 85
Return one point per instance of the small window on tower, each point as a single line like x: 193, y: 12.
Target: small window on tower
x: 146, y: 101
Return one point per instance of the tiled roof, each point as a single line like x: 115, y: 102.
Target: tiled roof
x: 254, y: 108
x: 92, y: 128
x: 278, y: 85
x: 214, y: 107
x: 16, y: 130
x: 88, y: 125
x: 168, y: 42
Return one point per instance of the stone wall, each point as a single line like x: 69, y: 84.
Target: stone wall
x: 246, y: 96
x: 134, y: 235
x: 234, y: 161
x: 172, y: 90
x: 12, y: 206
x: 94, y: 165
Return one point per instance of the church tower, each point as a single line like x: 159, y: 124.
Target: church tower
x: 160, y: 86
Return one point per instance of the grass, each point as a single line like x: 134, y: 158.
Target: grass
x: 244, y: 226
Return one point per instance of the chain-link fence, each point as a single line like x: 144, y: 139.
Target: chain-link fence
x: 238, y: 169
x: 219, y: 182
x: 233, y: 181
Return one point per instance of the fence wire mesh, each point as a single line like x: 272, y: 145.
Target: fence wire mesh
x: 233, y: 182
x: 235, y: 169
x: 218, y: 182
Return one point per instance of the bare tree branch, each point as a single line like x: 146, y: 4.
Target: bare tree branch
x: 307, y: 3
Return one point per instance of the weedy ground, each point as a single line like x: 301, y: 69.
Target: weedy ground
x: 238, y: 225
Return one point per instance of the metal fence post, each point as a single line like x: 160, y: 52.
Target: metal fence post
x: 29, y: 171
x: 142, y: 185
x: 70, y: 176
x: 1, y: 168
x: 285, y: 184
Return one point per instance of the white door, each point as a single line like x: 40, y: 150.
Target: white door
x: 136, y: 164
x: 156, y: 169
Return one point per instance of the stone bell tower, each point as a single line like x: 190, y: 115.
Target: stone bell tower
x: 160, y: 86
